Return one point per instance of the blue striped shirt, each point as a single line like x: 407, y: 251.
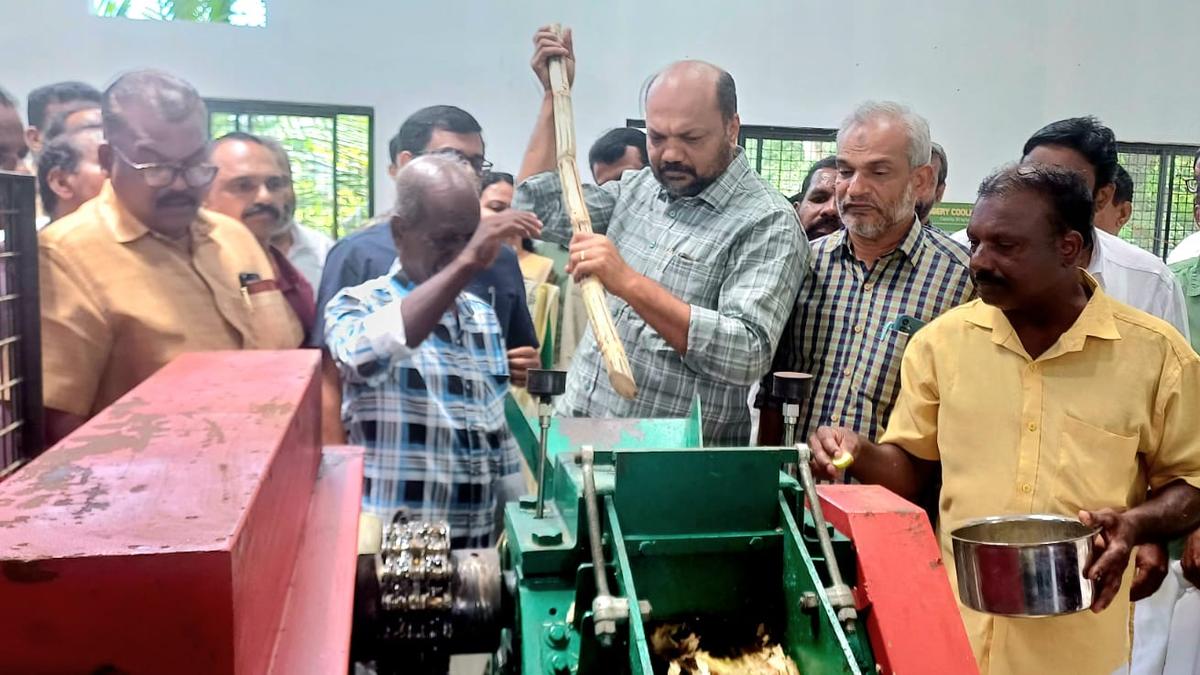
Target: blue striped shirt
x: 842, y: 332
x: 431, y: 417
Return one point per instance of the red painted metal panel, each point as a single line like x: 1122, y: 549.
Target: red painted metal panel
x: 315, y: 634
x: 914, y: 621
x: 160, y: 536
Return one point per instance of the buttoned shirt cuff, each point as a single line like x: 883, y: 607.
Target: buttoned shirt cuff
x: 384, y: 332
x: 702, y: 332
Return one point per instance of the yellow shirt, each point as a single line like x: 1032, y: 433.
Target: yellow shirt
x: 1108, y: 410
x: 119, y: 301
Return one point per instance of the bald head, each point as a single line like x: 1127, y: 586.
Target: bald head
x: 165, y: 96
x: 436, y: 213
x: 691, y: 126
x: 698, y: 76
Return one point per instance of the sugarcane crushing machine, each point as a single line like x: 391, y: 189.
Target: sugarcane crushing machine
x: 645, y: 552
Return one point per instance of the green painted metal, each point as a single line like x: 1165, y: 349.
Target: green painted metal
x: 569, y: 434
x: 813, y: 638
x: 639, y: 645
x: 693, y: 532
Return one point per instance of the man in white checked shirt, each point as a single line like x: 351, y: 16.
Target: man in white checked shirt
x: 701, y: 258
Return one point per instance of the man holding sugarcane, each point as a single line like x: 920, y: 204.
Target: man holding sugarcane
x: 703, y: 259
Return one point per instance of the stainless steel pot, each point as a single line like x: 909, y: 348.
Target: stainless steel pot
x: 1030, y: 565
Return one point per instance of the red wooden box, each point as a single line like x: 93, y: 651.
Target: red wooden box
x: 162, y: 535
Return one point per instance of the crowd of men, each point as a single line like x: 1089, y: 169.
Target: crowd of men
x: 1033, y: 363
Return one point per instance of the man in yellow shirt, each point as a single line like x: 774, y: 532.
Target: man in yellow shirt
x: 1044, y: 396
x: 140, y: 274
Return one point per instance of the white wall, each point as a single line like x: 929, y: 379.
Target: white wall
x: 985, y: 73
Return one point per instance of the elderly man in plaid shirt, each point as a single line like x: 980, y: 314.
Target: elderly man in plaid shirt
x: 873, y: 283
x: 702, y: 257
x: 423, y: 363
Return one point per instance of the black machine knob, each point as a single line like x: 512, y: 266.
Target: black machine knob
x: 791, y: 387
x: 545, y: 383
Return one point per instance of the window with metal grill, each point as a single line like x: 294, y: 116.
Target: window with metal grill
x: 330, y: 151
x: 1162, y: 203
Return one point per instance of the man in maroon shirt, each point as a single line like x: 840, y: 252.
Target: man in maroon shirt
x: 252, y: 187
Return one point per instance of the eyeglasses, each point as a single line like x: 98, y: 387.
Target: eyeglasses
x: 162, y: 175
x: 1190, y: 185
x: 478, y: 163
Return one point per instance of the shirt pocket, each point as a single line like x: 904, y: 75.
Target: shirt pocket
x: 1096, y: 467
x: 690, y: 279
x: 880, y: 365
x: 273, y: 325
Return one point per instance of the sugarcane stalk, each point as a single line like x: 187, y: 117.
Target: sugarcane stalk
x: 594, y: 298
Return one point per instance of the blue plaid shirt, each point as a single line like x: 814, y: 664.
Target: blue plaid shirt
x: 431, y: 417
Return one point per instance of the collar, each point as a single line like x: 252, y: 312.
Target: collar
x: 1188, y: 273
x: 1096, y: 320
x: 911, y: 246
x: 723, y: 188
x: 397, y: 274
x: 1096, y: 264
x: 127, y: 228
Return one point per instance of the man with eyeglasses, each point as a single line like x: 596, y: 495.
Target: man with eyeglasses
x: 253, y: 187
x: 1190, y: 246
x: 369, y: 252
x: 141, y: 274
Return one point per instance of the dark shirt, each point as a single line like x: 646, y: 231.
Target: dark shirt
x: 370, y: 252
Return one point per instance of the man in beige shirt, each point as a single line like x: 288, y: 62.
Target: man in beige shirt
x: 141, y: 274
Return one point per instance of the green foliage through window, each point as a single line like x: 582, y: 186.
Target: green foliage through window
x: 783, y: 156
x: 233, y: 12
x: 1162, y: 205
x: 330, y: 152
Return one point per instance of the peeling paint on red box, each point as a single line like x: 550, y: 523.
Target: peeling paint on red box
x: 161, y: 536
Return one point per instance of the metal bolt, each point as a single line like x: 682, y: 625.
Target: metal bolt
x: 606, y: 632
x: 556, y: 635
x: 559, y: 665
x: 547, y: 536
x: 809, y: 600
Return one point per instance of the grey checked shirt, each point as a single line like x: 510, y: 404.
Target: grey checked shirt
x: 734, y: 252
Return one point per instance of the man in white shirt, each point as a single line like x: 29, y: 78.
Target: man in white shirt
x: 1190, y: 246
x: 1127, y: 273
x: 304, y: 247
